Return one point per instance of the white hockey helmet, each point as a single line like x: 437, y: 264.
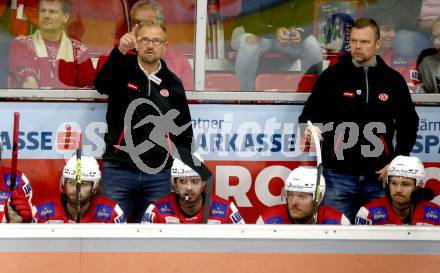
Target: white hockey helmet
x: 89, y: 170
x: 303, y: 179
x: 180, y: 169
x: 407, y: 166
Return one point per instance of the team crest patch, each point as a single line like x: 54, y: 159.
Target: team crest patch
x: 46, y: 210
x: 431, y: 214
x: 164, y: 92
x: 274, y: 220
x: 4, y: 196
x: 103, y: 212
x: 218, y: 210
x: 132, y: 86
x: 165, y: 208
x: 383, y: 96
x: 378, y: 214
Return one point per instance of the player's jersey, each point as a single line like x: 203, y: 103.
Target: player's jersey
x: 380, y: 212
x: 167, y: 211
x: 279, y: 215
x: 101, y: 210
x: 434, y: 185
x: 406, y: 66
x: 21, y: 184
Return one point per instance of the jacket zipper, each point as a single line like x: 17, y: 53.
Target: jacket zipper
x: 366, y: 82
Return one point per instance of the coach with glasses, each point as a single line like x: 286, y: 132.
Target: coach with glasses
x: 148, y: 120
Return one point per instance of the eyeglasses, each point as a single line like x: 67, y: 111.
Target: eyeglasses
x: 154, y: 41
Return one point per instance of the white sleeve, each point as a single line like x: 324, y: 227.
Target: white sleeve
x: 260, y: 221
x: 345, y: 221
x: 149, y: 215
x: 235, y: 215
x: 120, y: 217
x: 362, y: 217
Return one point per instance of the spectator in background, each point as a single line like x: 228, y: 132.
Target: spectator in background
x: 406, y: 66
x: 406, y: 202
x: 185, y: 204
x: 284, y: 27
x: 147, y: 10
x: 429, y: 67
x: 411, y: 38
x: 93, y: 208
x: 300, y: 191
x: 49, y: 58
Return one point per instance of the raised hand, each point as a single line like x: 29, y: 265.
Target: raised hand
x: 128, y: 41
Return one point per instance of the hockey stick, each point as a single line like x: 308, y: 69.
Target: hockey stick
x: 78, y: 179
x: 15, y: 150
x: 317, y: 197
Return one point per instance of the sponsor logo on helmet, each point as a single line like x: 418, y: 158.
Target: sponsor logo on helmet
x: 431, y: 214
x: 218, y: 210
x: 165, y: 208
x: 103, y: 212
x: 46, y: 210
x: 378, y: 214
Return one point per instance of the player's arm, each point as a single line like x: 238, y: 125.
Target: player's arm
x: 362, y: 217
x: 18, y: 209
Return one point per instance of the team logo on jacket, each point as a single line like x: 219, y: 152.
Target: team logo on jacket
x: 103, y: 212
x: 431, y: 214
x: 378, y: 214
x: 383, y: 96
x: 132, y: 86
x: 218, y: 210
x: 46, y: 210
x: 349, y: 94
x: 164, y: 92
